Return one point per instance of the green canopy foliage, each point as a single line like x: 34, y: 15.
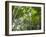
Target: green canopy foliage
x: 26, y: 18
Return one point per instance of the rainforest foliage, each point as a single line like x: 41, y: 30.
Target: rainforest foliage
x: 26, y: 18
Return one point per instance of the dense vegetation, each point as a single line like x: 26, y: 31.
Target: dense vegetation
x: 26, y: 18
